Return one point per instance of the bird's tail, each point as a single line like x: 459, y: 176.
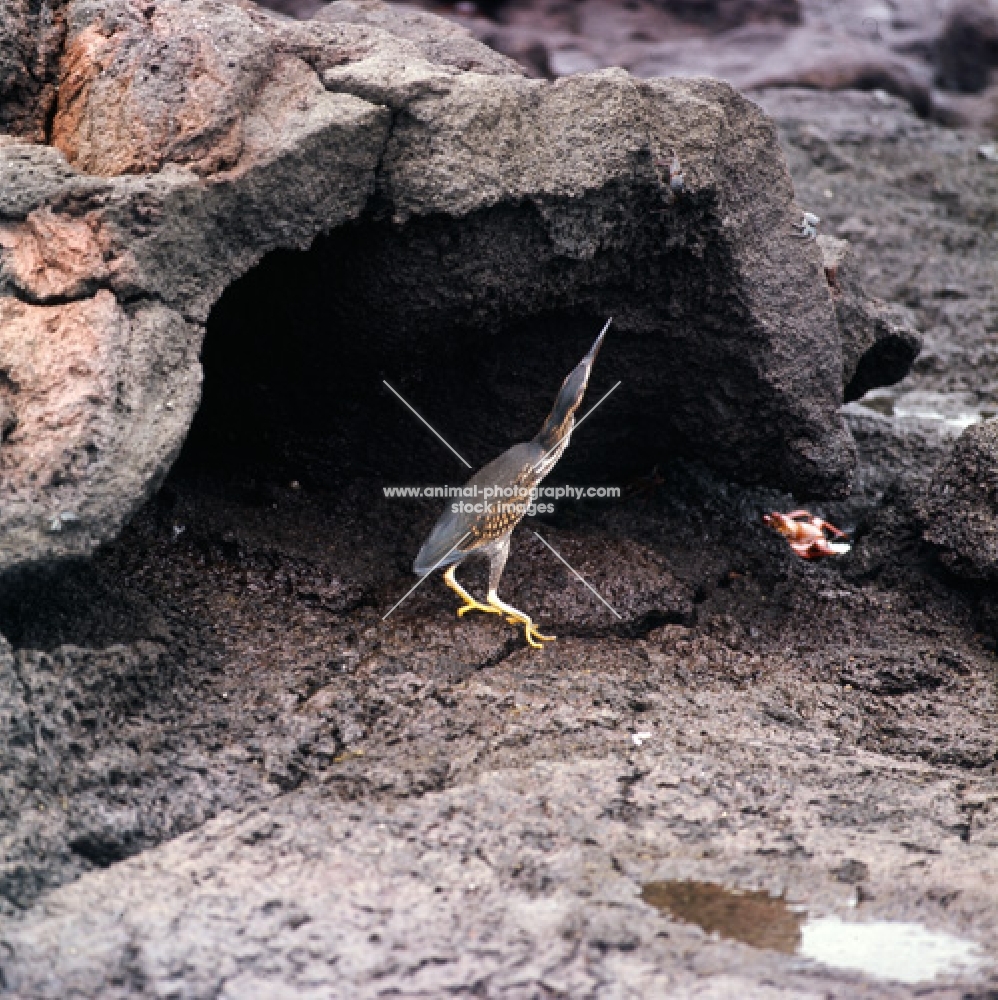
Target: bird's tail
x: 561, y: 419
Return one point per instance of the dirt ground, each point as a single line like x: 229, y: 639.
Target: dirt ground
x: 824, y: 730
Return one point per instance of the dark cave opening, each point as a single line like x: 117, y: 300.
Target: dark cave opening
x: 295, y: 390
x: 298, y: 352
x: 475, y: 325
x: 298, y: 433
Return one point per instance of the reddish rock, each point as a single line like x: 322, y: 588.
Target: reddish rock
x: 52, y: 257
x: 192, y: 138
x: 85, y: 433
x: 56, y: 360
x: 138, y: 94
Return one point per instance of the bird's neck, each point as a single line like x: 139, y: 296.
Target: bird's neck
x: 553, y: 440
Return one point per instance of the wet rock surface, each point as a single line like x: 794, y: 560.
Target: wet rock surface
x: 226, y: 773
x: 518, y: 883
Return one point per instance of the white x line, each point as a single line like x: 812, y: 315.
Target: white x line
x: 540, y: 462
x: 431, y: 427
x: 588, y: 414
x: 426, y: 575
x: 581, y: 577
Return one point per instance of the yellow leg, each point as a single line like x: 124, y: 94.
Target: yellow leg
x: 470, y: 604
x: 515, y: 617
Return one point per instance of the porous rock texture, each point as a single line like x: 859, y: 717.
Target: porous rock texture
x: 31, y: 36
x: 188, y: 138
x: 526, y: 883
x: 961, y: 505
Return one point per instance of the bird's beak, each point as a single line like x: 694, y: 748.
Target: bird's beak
x: 560, y: 420
x: 574, y: 387
x: 594, y: 350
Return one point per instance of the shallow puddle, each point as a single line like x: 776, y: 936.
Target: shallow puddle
x: 896, y: 950
x: 755, y: 918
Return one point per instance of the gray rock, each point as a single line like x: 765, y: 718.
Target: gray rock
x: 524, y: 883
x: 879, y: 339
x: 439, y: 41
x: 414, y: 839
x: 749, y: 44
x: 961, y: 505
x: 967, y: 49
x: 32, y: 174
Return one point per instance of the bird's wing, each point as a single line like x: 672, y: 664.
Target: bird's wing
x: 459, y: 532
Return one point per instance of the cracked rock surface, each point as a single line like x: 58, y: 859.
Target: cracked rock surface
x: 521, y: 883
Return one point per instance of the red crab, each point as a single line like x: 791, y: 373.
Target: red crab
x: 806, y: 534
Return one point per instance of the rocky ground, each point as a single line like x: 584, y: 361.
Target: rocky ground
x: 940, y: 55
x: 225, y: 774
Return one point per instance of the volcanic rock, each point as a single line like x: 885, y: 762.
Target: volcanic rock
x: 879, y: 339
x: 961, y: 506
x: 224, y: 772
x: 31, y: 37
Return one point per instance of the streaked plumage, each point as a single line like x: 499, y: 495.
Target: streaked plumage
x: 458, y: 535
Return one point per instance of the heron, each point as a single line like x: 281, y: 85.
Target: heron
x: 509, y: 481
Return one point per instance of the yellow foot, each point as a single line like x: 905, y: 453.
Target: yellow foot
x: 515, y: 617
x: 474, y: 605
x: 532, y: 635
